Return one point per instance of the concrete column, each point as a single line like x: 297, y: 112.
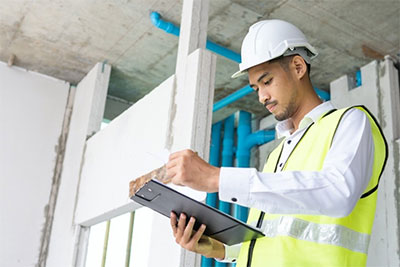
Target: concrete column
x: 192, y: 122
x: 195, y: 74
x: 193, y: 32
x: 194, y: 95
x: 194, y: 89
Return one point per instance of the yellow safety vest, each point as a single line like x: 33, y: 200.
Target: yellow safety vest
x: 310, y: 240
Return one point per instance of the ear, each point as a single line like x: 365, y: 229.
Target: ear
x: 300, y: 67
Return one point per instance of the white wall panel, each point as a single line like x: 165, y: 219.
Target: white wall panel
x: 120, y: 152
x: 85, y: 119
x: 167, y: 118
x: 32, y: 108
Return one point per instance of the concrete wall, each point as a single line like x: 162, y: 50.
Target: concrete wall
x: 32, y: 107
x: 380, y: 94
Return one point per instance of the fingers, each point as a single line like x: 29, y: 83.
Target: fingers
x: 182, y: 153
x: 184, y: 234
x: 171, y: 164
x: 188, y: 169
x: 177, y: 166
x: 174, y: 172
x: 196, y: 237
x: 173, y: 167
x: 173, y: 223
x: 181, y: 228
x: 188, y: 231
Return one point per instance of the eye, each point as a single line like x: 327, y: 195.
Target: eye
x: 268, y: 82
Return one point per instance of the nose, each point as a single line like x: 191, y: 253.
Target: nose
x: 263, y: 96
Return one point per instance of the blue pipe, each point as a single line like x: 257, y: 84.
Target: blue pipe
x: 164, y: 25
x: 258, y: 138
x: 243, y: 155
x: 322, y: 94
x: 232, y: 97
x: 175, y: 30
x: 248, y: 90
x: 211, y: 199
x: 228, y: 141
x: 358, y: 78
x: 246, y: 140
x: 214, y: 157
x: 220, y: 50
x: 227, y: 153
x: 227, y: 161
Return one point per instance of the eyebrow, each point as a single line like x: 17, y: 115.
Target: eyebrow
x: 260, y: 78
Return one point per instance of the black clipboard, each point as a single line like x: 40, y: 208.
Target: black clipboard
x: 220, y: 226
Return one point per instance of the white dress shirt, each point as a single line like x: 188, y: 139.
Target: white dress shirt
x: 333, y: 191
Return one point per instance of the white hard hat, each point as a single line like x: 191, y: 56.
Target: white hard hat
x: 269, y: 39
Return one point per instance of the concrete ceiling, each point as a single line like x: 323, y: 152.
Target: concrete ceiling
x: 64, y: 39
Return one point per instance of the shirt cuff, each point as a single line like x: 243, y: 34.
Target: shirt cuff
x: 234, y: 184
x: 231, y: 253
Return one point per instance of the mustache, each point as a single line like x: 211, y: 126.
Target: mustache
x: 274, y: 102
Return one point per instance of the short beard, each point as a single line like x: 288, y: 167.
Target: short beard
x: 288, y: 111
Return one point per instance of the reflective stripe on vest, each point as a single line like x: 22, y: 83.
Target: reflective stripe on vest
x: 331, y: 234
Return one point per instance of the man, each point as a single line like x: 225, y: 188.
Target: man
x: 315, y: 199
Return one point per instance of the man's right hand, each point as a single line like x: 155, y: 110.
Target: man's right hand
x: 195, y: 241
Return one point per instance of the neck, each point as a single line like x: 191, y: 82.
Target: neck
x: 307, y: 102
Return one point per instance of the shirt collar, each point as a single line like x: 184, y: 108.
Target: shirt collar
x: 284, y: 128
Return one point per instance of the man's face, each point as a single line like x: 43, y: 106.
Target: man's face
x: 276, y: 89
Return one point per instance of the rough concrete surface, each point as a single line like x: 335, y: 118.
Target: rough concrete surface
x: 64, y: 39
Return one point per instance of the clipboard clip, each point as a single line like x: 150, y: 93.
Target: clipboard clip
x: 147, y: 193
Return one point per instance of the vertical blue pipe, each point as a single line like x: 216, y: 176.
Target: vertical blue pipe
x: 214, y: 157
x: 243, y: 155
x: 214, y: 160
x: 358, y: 78
x: 227, y: 153
x: 227, y: 161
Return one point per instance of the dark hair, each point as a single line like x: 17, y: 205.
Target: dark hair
x: 284, y: 62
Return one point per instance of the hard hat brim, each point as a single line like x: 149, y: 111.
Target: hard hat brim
x: 238, y: 73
